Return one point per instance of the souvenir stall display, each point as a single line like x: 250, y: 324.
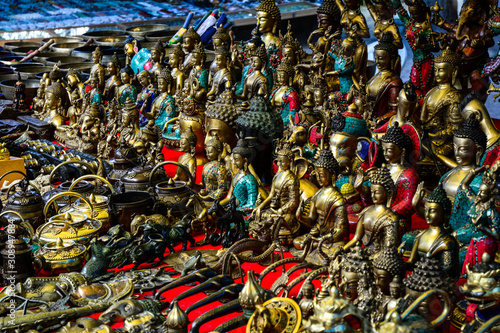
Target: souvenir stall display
x: 183, y: 181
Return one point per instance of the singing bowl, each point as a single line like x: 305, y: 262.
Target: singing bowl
x: 101, y: 34
x: 23, y: 51
x: 163, y: 36
x: 11, y: 59
x: 62, y: 40
x: 140, y: 31
x: 43, y: 56
x: 78, y: 66
x: 64, y: 60
x: 31, y: 71
x: 113, y: 41
x: 86, y: 51
x: 9, y: 46
x: 8, y: 89
x: 12, y: 76
x: 66, y: 47
x: 6, y: 70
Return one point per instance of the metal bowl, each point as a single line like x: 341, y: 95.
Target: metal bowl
x: 114, y: 41
x: 108, y: 54
x: 163, y: 36
x: 86, y: 51
x: 8, y: 89
x: 23, y: 51
x: 66, y: 47
x: 62, y: 40
x: 13, y: 45
x: 6, y: 70
x: 140, y: 31
x: 31, y: 71
x: 78, y: 66
x: 64, y: 60
x: 101, y: 34
x: 43, y: 56
x: 10, y: 60
x: 5, y: 53
x: 26, y: 64
x: 12, y: 76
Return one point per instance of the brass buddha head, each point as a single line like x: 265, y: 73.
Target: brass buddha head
x: 446, y: 67
x: 53, y: 95
x: 346, y: 130
x: 242, y: 153
x: 437, y: 207
x: 213, y: 148
x: 198, y: 55
x: 469, y: 142
x: 144, y: 78
x: 221, y: 38
x: 165, y: 79
x: 285, y: 158
x: 388, y: 267
x: 328, y: 15
x: 291, y: 48
x: 386, y: 53
x: 188, y: 141
x: 221, y: 57
x: 157, y: 52
x: 326, y: 167
x: 382, y: 186
x: 268, y: 16
x: 130, y: 113
x: 176, y: 57
x: 351, y: 266
x: 284, y: 73
x: 259, y: 59
x: 113, y: 65
x: 190, y: 40
x: 220, y: 119
x: 126, y: 74
x: 251, y: 46
x: 418, y: 9
x: 97, y: 55
x: 396, y: 145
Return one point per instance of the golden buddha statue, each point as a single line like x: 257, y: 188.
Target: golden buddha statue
x: 328, y: 16
x: 90, y: 128
x: 76, y: 93
x: 198, y: 58
x: 189, y: 42
x: 97, y: 69
x: 163, y: 108
x: 256, y: 83
x: 114, y: 81
x: 383, y: 88
x: 377, y: 224
x: 127, y: 89
x: 213, y: 177
x: 382, y: 13
x: 472, y: 105
x: 220, y: 38
x: 285, y: 98
x: 188, y: 147
x: 53, y: 110
x: 282, y: 203
x: 293, y: 53
x: 326, y: 210
x: 220, y: 119
x: 436, y: 241
x: 130, y: 122
x: 351, y: 270
x: 157, y: 54
x: 355, y: 26
x: 176, y: 60
x: 268, y: 18
x: 441, y: 107
x: 222, y: 76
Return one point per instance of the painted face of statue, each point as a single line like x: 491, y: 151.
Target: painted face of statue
x: 465, y: 151
x: 349, y: 285
x: 257, y: 63
x: 382, y: 59
x: 392, y: 153
x: 484, y: 193
x: 155, y: 55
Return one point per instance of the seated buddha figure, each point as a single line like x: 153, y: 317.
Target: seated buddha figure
x: 53, y: 109
x: 285, y: 98
x: 377, y: 224
x: 281, y: 204
x: 146, y: 97
x: 472, y: 105
x: 198, y: 58
x: 436, y: 241
x: 213, y: 177
x: 114, y: 81
x: 268, y: 18
x: 326, y: 210
x: 157, y: 55
x: 220, y: 38
x: 469, y: 143
x: 176, y: 59
x: 256, y: 83
x: 343, y: 68
x: 383, y: 88
x: 94, y: 95
x: 441, y: 107
x: 250, y: 48
x: 98, y: 69
x: 76, y: 93
x: 293, y: 52
x: 127, y: 89
x: 189, y: 42
x: 188, y: 159
x: 220, y: 118
x: 222, y: 77
x: 398, y: 147
x: 130, y: 123
x: 244, y: 186
x: 163, y: 107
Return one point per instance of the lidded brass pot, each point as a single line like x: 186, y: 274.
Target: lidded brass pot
x: 99, y: 203
x: 82, y: 230
x: 170, y: 194
x: 138, y: 178
x: 62, y: 256
x: 125, y: 158
x: 28, y: 203
x: 84, y: 187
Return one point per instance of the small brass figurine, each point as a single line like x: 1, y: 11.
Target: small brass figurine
x: 188, y: 159
x: 114, y: 81
x: 176, y: 60
x: 126, y: 90
x: 97, y: 69
x: 285, y: 98
x: 222, y: 79
x: 189, y: 42
x: 198, y: 58
x: 146, y: 97
x: 163, y: 108
x: 268, y: 18
x: 157, y: 55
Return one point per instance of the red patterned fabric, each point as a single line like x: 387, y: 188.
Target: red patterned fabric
x: 406, y: 187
